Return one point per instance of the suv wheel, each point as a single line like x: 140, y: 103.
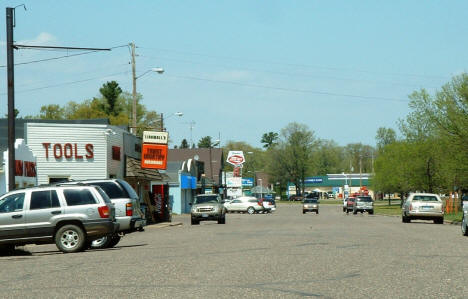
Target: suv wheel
x: 70, y: 238
x: 354, y: 212
x: 463, y: 226
x: 371, y: 212
x: 439, y: 220
x: 251, y: 210
x: 195, y: 222
x: 222, y: 220
x: 105, y: 242
x: 7, y: 249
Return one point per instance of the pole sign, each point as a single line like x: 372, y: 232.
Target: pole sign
x: 235, y: 158
x: 154, y: 156
x: 155, y: 137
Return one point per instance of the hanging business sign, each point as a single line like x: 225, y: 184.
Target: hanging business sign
x: 234, y: 182
x: 155, y: 137
x: 235, y: 158
x: 154, y: 156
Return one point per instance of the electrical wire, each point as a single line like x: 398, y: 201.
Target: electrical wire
x: 290, y: 89
x: 294, y: 64
x: 67, y: 83
x: 56, y: 58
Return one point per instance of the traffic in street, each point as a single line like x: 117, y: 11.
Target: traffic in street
x: 284, y: 254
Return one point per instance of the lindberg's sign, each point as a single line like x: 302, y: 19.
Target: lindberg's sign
x: 69, y: 150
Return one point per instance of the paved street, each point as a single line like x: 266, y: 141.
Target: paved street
x: 286, y: 254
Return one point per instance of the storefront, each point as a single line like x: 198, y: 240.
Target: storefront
x: 87, y: 151
x: 25, y: 167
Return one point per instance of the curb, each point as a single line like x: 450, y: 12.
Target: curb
x: 163, y: 225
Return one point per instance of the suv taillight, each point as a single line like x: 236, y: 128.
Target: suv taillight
x: 411, y: 207
x: 104, y: 211
x: 129, y: 209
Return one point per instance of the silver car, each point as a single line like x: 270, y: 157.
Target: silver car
x: 464, y: 223
x: 244, y: 204
x: 69, y: 216
x: 310, y: 205
x: 363, y: 204
x: 425, y: 206
x: 208, y: 207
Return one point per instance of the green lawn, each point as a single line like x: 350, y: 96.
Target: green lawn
x: 395, y: 210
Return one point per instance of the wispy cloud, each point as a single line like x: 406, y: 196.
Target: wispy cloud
x: 44, y: 38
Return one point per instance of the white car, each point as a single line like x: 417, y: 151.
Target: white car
x: 269, y: 205
x: 244, y: 204
x: 464, y: 224
x: 424, y: 206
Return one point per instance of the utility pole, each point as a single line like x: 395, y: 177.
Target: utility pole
x: 360, y: 172
x: 11, y: 98
x: 162, y: 122
x: 134, y: 95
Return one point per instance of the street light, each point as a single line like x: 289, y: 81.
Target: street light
x: 158, y: 70
x: 173, y: 114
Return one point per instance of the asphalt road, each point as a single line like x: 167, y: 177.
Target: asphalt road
x: 283, y: 255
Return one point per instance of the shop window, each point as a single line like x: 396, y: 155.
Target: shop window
x: 116, y: 153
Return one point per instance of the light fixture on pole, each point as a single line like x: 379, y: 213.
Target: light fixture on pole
x: 158, y: 70
x: 162, y: 119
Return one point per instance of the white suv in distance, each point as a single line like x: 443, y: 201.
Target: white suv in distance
x: 69, y: 216
x: 424, y: 206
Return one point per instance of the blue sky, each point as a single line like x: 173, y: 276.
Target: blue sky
x: 243, y: 68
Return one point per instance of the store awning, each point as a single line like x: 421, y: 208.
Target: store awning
x: 134, y: 170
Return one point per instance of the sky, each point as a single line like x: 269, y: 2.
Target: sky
x: 239, y: 69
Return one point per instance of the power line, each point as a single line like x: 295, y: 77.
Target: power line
x: 67, y: 83
x: 53, y: 58
x: 295, y: 64
x: 289, y: 89
x: 286, y: 73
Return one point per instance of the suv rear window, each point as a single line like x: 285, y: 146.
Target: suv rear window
x: 113, y: 190
x: 44, y: 200
x: 78, y: 197
x: 424, y: 198
x: 364, y: 199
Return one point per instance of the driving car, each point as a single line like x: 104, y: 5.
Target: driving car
x: 363, y: 204
x: 69, y: 216
x: 424, y: 206
x: 245, y: 204
x: 310, y: 205
x: 208, y: 207
x: 349, y: 204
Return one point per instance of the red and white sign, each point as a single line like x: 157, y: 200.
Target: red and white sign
x: 235, y: 158
x: 154, y: 156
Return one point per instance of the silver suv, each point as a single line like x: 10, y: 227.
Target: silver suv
x: 127, y: 209
x: 363, y: 204
x: 69, y: 216
x: 208, y: 207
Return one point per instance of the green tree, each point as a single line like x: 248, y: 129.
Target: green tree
x: 111, y: 92
x: 269, y: 139
x: 205, y: 142
x: 293, y: 154
x: 184, y: 144
x: 385, y: 136
x: 52, y: 111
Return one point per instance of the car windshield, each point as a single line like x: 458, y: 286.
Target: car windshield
x: 364, y: 199
x: 205, y: 199
x: 424, y: 198
x: 310, y: 201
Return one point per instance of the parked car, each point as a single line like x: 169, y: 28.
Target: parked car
x: 425, y: 206
x: 350, y: 203
x: 69, y: 216
x: 464, y: 224
x: 244, y: 204
x: 208, y: 207
x: 363, y: 204
x: 345, y: 204
x: 269, y: 205
x: 310, y: 205
x: 127, y: 206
